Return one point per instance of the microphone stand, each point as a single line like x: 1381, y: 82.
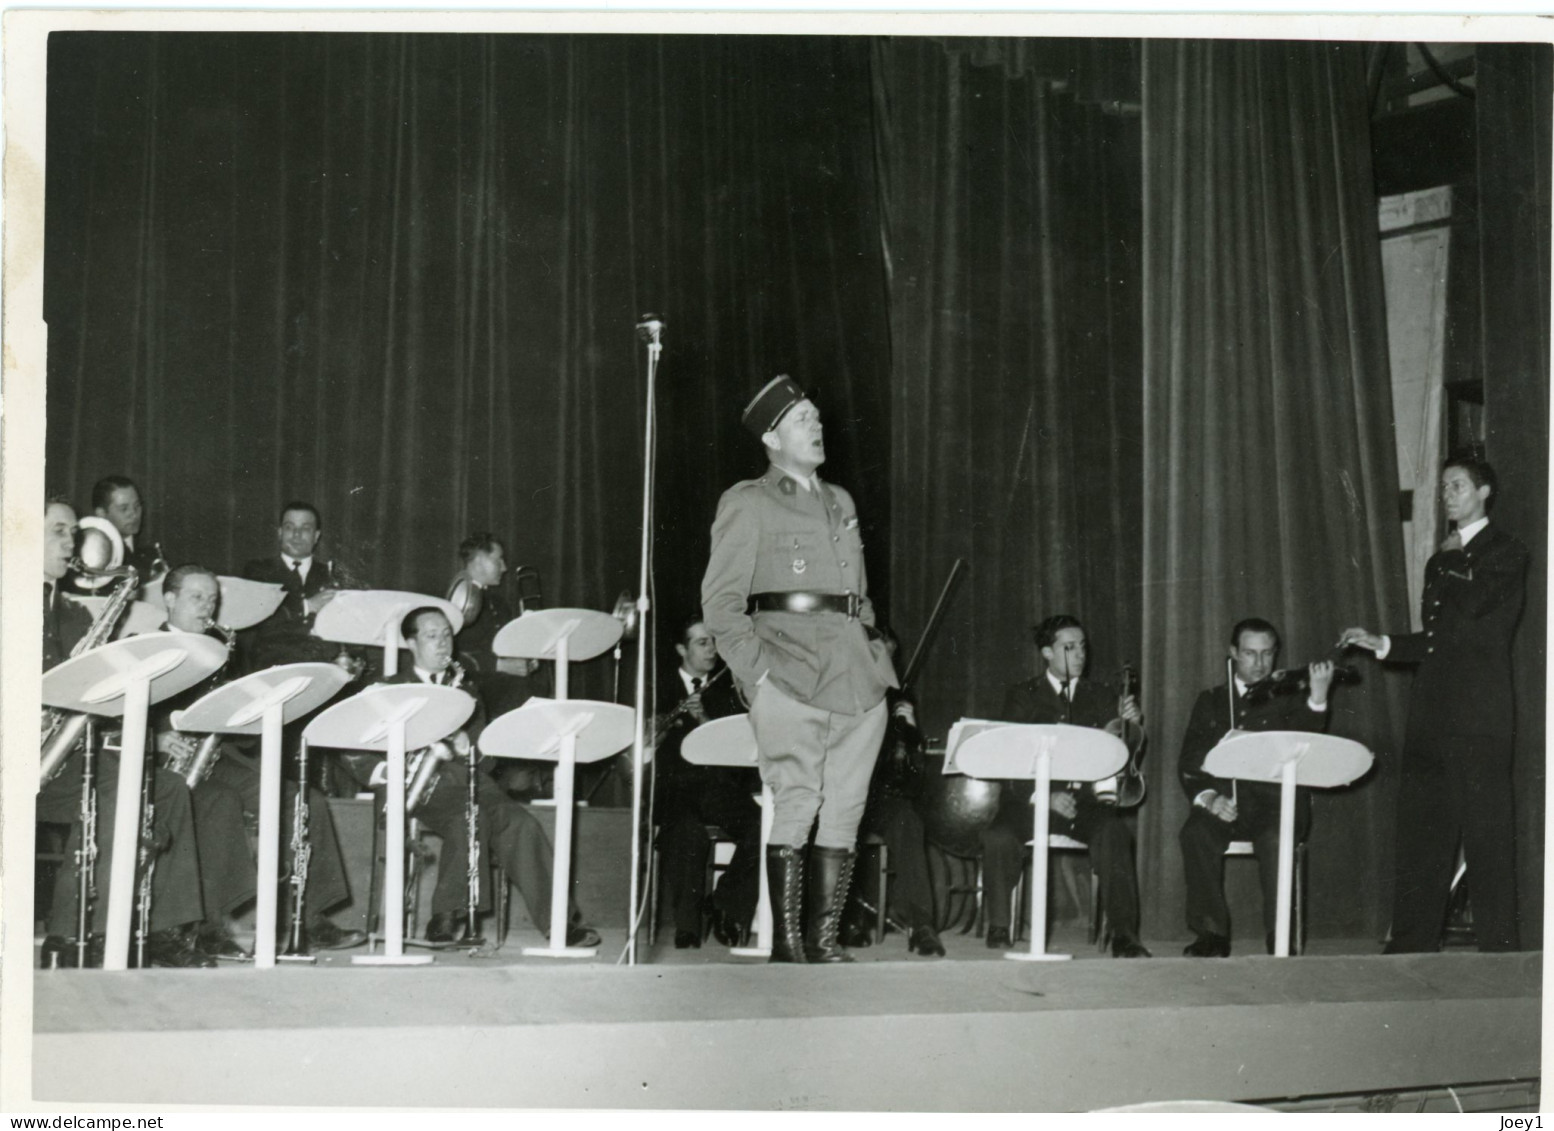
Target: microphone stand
x: 650, y: 330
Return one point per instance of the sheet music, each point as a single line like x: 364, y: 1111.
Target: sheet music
x: 960, y: 731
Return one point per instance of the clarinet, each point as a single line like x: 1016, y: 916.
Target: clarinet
x: 86, y: 855
x: 472, y: 866
x: 147, y: 861
x: 301, y: 855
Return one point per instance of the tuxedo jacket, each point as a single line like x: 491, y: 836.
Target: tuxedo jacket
x: 1471, y: 604
x: 285, y: 637
x: 1035, y: 701
x: 1211, y: 719
x: 679, y: 779
x: 64, y: 624
x: 476, y: 636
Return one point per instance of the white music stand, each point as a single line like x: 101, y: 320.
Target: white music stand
x: 138, y: 619
x: 1287, y: 758
x: 730, y: 741
x: 561, y: 730
x: 392, y: 718
x: 124, y: 678
x: 1040, y: 751
x: 262, y: 703
x: 371, y: 617
x: 243, y: 604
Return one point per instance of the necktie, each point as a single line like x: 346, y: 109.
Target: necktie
x: 696, y: 682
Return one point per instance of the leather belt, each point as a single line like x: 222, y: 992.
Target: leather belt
x: 848, y: 604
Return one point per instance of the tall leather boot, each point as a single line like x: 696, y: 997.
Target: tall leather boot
x: 785, y: 878
x: 833, y: 876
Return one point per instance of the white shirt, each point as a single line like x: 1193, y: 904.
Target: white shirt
x: 302, y: 564
x: 1057, y: 685
x: 686, y: 677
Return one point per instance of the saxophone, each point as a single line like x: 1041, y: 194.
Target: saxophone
x: 190, y: 760
x: 62, y: 729
x: 422, y: 765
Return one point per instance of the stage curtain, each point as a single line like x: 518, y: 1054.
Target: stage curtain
x: 1269, y: 484
x: 1014, y: 252
x: 1514, y: 103
x: 398, y: 276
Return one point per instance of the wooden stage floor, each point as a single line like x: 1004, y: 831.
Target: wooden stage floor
x: 698, y: 1029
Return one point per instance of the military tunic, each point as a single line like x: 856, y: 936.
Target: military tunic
x: 816, y: 681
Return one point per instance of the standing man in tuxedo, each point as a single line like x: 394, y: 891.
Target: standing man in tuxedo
x: 192, y: 594
x: 692, y: 797
x: 285, y: 637
x: 1222, y: 810
x: 1456, y: 779
x: 1061, y: 695
x: 786, y: 598
x: 175, y: 886
x: 508, y: 832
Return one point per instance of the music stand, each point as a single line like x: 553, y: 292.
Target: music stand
x: 262, y: 703
x: 730, y: 741
x: 371, y: 617
x: 560, y: 730
x: 1040, y: 751
x: 123, y: 678
x: 243, y: 603
x: 1287, y: 758
x: 138, y: 619
x: 392, y: 719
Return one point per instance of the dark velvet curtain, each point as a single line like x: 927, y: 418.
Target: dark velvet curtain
x: 398, y: 275
x: 1014, y: 264
x: 1270, y: 484
x: 1515, y: 100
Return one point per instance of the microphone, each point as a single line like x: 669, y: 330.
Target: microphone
x: 650, y: 328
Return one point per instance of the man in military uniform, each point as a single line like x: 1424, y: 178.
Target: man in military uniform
x: 786, y: 598
x: 1461, y: 728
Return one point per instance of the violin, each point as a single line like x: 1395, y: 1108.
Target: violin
x: 1292, y: 681
x: 1131, y: 786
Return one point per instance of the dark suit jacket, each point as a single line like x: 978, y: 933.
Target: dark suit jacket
x: 285, y: 637
x: 1472, y: 601
x: 679, y: 782
x: 63, y: 628
x: 1211, y: 719
x: 360, y: 763
x: 1034, y: 701
x: 475, y: 637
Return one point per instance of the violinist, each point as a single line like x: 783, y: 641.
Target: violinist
x: 1060, y: 694
x: 1223, y: 811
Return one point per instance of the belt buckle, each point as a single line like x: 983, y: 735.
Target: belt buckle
x: 854, y: 605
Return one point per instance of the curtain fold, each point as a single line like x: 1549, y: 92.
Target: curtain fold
x: 1013, y: 252
x: 1270, y: 487
x: 398, y: 276
x: 1514, y: 88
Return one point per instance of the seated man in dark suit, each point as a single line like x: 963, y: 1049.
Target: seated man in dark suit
x: 192, y: 594
x: 285, y: 637
x: 690, y: 798
x: 175, y: 885
x: 508, y: 832
x: 1223, y: 811
x: 1061, y: 695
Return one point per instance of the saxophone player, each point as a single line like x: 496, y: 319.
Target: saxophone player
x: 506, y: 830
x: 176, y: 904
x: 228, y: 788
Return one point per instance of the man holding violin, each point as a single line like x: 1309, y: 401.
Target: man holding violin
x: 1085, y: 811
x: 1223, y: 811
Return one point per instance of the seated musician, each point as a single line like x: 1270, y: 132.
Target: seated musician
x: 285, y: 637
x: 1223, y: 811
x: 117, y: 499
x: 175, y: 884
x: 477, y: 591
x: 191, y: 594
x: 1061, y: 695
x: 690, y: 798
x: 891, y: 814
x: 508, y: 832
